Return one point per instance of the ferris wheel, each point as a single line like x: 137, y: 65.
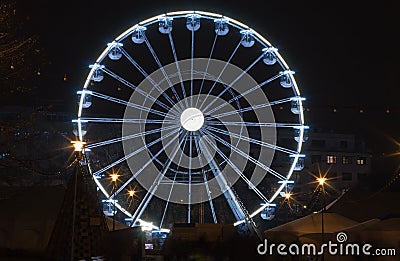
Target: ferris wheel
x: 190, y: 116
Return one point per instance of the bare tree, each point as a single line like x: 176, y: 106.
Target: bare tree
x: 20, y: 55
x: 29, y: 143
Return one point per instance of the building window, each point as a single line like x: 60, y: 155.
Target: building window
x: 330, y: 159
x: 347, y: 176
x: 315, y: 158
x: 361, y: 160
x: 332, y: 175
x: 346, y: 160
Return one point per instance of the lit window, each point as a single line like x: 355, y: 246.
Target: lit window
x: 346, y: 160
x: 361, y: 161
x: 331, y: 159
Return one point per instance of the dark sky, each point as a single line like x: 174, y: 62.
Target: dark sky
x: 342, y: 51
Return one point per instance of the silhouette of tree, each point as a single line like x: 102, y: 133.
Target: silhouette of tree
x: 29, y: 143
x: 20, y: 54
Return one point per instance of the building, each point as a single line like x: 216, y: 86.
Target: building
x: 343, y: 158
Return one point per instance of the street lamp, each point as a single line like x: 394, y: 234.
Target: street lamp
x: 287, y: 196
x: 321, y: 183
x: 78, y: 145
x: 131, y: 194
x: 114, y: 179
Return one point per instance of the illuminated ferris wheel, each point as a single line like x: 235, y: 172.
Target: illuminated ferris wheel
x: 190, y: 116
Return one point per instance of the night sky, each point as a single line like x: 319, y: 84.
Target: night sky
x: 344, y: 53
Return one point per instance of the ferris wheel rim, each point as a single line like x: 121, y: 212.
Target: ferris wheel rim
x: 208, y: 15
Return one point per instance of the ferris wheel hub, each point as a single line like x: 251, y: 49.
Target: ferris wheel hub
x: 192, y: 119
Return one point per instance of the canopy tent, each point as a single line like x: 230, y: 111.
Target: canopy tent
x: 379, y: 232
x: 364, y: 205
x: 309, y: 227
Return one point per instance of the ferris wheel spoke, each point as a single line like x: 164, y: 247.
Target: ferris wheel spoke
x: 140, y: 209
x: 246, y: 156
x: 254, y: 141
x: 205, y: 73
x: 149, y: 195
x: 233, y: 82
x: 124, y: 120
x: 132, y: 136
x: 134, y: 88
x: 177, y: 67
x: 256, y: 124
x: 146, y: 75
x: 191, y: 70
x: 241, y: 175
x: 167, y: 201
x: 258, y: 86
x: 150, y: 160
x: 227, y: 189
x: 153, y: 53
x: 220, y: 74
x: 214, y: 216
x: 250, y: 108
x: 190, y: 177
x: 129, y: 104
x: 98, y: 172
x: 172, y: 187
